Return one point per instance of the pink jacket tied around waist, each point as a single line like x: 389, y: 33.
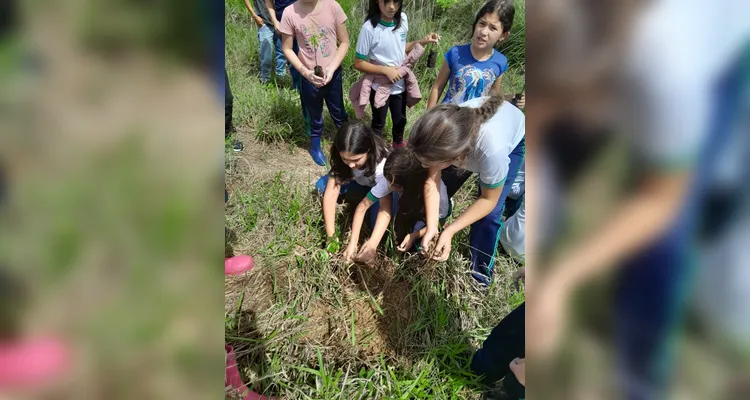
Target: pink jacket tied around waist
x: 359, y: 94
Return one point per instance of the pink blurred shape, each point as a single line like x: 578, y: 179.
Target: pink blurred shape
x: 238, y: 264
x: 233, y: 379
x: 32, y: 363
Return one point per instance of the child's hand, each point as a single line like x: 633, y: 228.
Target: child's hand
x: 367, y: 253
x: 430, y: 38
x: 518, y: 367
x: 427, y: 241
x: 408, y: 242
x: 317, y: 81
x: 350, y: 251
x: 328, y: 75
x: 392, y: 74
x: 443, y: 247
x: 258, y: 20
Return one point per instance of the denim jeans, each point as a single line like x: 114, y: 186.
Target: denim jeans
x: 280, y: 58
x: 265, y: 37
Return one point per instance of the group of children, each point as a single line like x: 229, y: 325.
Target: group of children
x: 473, y: 130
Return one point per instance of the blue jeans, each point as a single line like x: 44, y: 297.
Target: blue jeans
x: 265, y: 37
x: 485, y: 233
x: 280, y: 58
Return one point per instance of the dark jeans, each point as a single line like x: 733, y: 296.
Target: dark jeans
x: 397, y: 104
x: 228, y: 105
x: 506, y: 342
x: 485, y: 233
x: 313, y: 98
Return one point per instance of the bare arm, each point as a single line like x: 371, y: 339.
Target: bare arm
x: 272, y: 12
x: 329, y: 206
x: 357, y: 221
x: 250, y: 8
x: 431, y: 206
x: 439, y: 85
x: 430, y: 38
x: 478, y: 210
x: 382, y: 221
x: 481, y: 207
x: 496, y: 89
x: 654, y: 208
x: 343, y: 48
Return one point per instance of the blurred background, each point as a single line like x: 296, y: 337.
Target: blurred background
x: 111, y: 221
x: 638, y: 278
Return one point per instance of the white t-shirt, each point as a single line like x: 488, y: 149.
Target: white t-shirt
x: 513, y: 236
x: 384, y: 45
x: 497, y: 139
x: 376, y: 181
x: 673, y: 78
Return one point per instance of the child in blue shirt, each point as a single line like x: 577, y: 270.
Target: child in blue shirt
x: 475, y: 69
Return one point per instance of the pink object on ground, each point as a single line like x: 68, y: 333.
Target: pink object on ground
x: 237, y: 265
x: 233, y: 380
x: 32, y: 363
x: 359, y: 94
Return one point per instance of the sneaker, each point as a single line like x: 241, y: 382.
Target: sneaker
x: 321, y: 184
x: 237, y: 146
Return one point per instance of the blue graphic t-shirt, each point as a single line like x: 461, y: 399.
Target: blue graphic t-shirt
x: 469, y: 77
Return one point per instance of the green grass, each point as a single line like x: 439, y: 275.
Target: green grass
x: 304, y: 324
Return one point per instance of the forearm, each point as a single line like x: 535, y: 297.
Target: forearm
x: 435, y: 93
x: 272, y: 13
x: 368, y: 67
x: 340, y: 54
x: 250, y: 8
x: 329, y: 212
x: 635, y: 225
x: 357, y: 221
x: 382, y: 221
x: 431, y: 203
x: 294, y: 60
x: 410, y: 45
x: 478, y: 210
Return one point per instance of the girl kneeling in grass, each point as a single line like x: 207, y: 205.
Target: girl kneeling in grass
x: 357, y: 156
x: 486, y: 136
x: 406, y: 177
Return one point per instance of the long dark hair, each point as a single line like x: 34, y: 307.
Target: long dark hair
x: 504, y: 9
x: 356, y: 138
x: 449, y: 132
x: 403, y: 169
x: 373, y: 13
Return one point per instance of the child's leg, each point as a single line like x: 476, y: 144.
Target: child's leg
x: 485, y: 233
x: 312, y: 100
x: 397, y: 104
x: 506, y: 342
x: 280, y: 58
x: 379, y: 115
x: 265, y: 37
x: 334, y: 95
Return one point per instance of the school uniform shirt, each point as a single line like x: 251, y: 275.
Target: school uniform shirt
x: 384, y: 45
x: 471, y: 78
x: 320, y: 24
x: 513, y: 235
x: 496, y: 139
x: 376, y: 181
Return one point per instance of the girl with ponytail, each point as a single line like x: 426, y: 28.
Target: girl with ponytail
x: 484, y: 136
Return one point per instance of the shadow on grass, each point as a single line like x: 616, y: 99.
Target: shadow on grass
x: 250, y: 351
x: 418, y: 322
